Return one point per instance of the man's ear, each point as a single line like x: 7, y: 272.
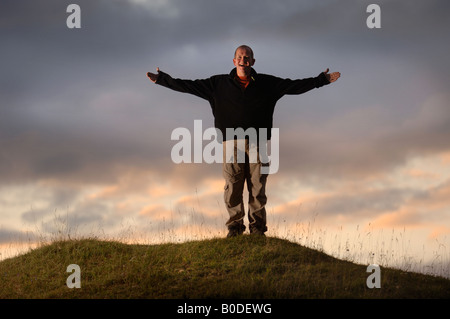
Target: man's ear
x: 253, y: 62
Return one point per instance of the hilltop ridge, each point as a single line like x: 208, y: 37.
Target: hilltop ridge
x: 242, y: 267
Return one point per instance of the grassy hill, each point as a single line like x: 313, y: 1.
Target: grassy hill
x: 242, y: 267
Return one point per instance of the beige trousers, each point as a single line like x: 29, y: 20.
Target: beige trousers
x: 240, y: 165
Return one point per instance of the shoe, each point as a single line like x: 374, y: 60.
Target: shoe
x: 258, y: 231
x: 235, y: 231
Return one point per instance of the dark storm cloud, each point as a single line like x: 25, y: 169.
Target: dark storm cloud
x: 76, y: 103
x: 15, y: 236
x: 62, y: 108
x: 361, y: 144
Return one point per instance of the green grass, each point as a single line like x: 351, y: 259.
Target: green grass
x: 242, y: 267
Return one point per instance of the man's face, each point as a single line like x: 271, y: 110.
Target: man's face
x: 243, y: 61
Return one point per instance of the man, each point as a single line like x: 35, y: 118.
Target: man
x: 243, y: 99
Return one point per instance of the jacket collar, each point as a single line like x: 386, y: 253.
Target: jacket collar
x: 253, y: 74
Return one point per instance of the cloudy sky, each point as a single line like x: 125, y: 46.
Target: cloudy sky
x: 85, y: 137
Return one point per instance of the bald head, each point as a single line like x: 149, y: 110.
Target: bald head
x: 245, y: 48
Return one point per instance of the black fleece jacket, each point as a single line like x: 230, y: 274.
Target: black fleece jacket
x: 234, y: 107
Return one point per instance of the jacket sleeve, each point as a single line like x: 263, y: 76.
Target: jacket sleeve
x: 201, y: 88
x: 288, y: 86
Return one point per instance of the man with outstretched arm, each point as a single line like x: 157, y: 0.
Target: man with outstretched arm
x: 243, y: 99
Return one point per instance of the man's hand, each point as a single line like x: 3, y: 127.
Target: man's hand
x: 152, y: 76
x: 332, y: 77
